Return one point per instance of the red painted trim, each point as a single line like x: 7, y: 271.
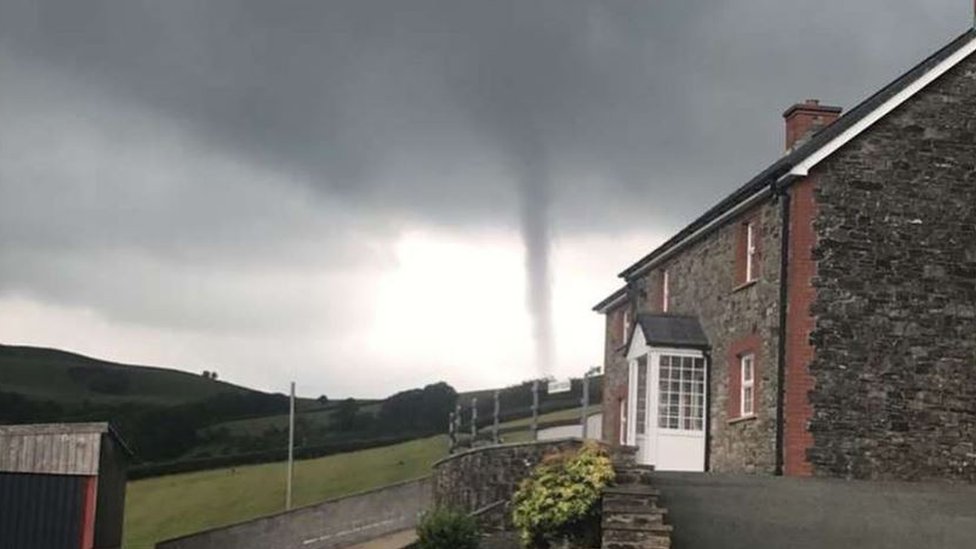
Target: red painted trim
x: 90, y: 491
x: 797, y: 410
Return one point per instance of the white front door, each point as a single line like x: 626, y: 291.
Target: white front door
x: 667, y: 389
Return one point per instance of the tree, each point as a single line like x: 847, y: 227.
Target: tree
x: 206, y: 374
x: 213, y: 375
x: 322, y: 399
x: 346, y: 414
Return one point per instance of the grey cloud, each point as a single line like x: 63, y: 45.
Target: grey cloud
x: 642, y: 93
x: 226, y: 136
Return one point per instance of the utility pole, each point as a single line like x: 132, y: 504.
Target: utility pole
x: 291, y: 446
x: 457, y: 423
x: 585, y: 400
x: 450, y: 432
x: 474, y: 421
x: 494, y: 425
x: 535, y: 409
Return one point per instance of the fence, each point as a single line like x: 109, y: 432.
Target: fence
x: 482, y: 424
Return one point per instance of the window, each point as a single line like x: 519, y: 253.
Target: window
x: 641, y: 425
x: 623, y: 421
x: 625, y: 326
x: 665, y: 291
x: 682, y: 393
x: 747, y: 389
x: 751, y: 256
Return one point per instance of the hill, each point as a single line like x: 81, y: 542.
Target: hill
x: 60, y: 376
x: 179, y: 421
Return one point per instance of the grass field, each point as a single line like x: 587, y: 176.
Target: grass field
x: 166, y: 507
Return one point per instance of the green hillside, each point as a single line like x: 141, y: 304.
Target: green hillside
x: 64, y: 377
x: 165, y: 507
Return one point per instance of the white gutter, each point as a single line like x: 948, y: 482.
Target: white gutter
x: 802, y: 169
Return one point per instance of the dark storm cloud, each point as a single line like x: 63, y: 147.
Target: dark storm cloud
x: 291, y: 131
x: 408, y: 104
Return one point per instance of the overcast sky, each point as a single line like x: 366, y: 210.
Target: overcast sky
x: 368, y: 195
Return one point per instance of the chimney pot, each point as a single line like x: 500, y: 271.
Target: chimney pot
x: 803, y: 120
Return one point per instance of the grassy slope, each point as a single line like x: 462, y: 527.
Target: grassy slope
x: 166, y: 507
x: 318, y: 415
x: 44, y: 374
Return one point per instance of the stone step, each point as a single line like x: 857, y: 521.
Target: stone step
x: 633, y: 475
x: 657, y: 536
x: 612, y: 503
x: 662, y: 543
x: 634, y: 521
x: 632, y: 490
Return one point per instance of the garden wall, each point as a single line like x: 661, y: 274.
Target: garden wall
x: 480, y: 477
x: 334, y: 523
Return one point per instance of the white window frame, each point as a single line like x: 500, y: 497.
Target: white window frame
x: 750, y: 384
x: 623, y: 421
x: 665, y: 290
x: 625, y: 326
x: 750, y: 251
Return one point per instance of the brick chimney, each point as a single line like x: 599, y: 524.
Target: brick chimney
x: 805, y: 119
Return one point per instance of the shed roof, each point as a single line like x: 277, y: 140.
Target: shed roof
x: 55, y: 448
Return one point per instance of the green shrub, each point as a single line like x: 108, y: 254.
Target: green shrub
x: 560, y: 500
x: 445, y: 528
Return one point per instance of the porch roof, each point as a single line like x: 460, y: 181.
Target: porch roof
x: 668, y: 330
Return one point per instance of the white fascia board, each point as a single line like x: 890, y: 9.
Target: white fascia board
x: 802, y: 169
x: 747, y: 203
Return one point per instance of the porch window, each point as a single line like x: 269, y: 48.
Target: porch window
x: 747, y: 395
x: 641, y: 419
x: 682, y: 393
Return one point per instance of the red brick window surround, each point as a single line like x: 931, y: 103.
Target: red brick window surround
x: 744, y: 379
x: 748, y: 251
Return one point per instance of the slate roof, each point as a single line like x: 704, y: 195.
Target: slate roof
x: 667, y: 330
x: 781, y: 167
x: 611, y: 300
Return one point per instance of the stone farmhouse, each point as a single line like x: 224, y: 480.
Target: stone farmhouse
x: 821, y: 319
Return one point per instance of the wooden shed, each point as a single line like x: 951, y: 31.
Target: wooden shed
x: 62, y: 485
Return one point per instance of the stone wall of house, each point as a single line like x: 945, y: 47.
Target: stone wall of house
x: 614, y: 373
x: 895, y: 333
x: 477, y: 478
x: 705, y: 281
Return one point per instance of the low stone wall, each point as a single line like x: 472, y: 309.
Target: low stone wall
x: 710, y: 511
x: 334, y: 523
x: 480, y: 477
